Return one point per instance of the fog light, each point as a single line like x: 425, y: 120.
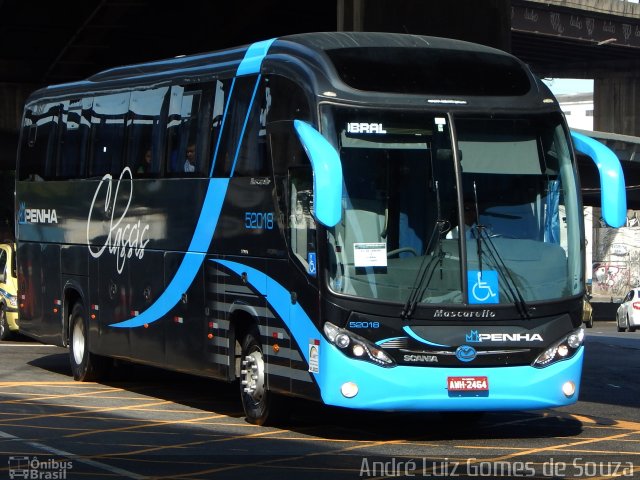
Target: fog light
x: 342, y: 340
x: 349, y: 389
x: 569, y: 388
x: 358, y: 350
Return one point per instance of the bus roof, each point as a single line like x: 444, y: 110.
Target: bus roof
x: 369, y: 61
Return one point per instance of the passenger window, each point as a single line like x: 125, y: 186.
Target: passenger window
x: 220, y: 98
x: 107, y: 123
x: 76, y: 129
x: 243, y: 90
x: 184, y: 144
x: 252, y: 155
x: 144, y: 136
x: 39, y: 149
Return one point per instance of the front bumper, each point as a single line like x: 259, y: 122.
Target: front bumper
x: 408, y: 388
x: 12, y: 319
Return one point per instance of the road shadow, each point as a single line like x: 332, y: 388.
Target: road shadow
x: 328, y: 422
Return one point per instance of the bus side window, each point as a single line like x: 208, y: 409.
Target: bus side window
x: 252, y: 155
x: 107, y: 124
x: 230, y: 137
x: 219, y: 100
x: 293, y: 178
x: 144, y: 134
x: 184, y: 142
x: 75, y: 133
x: 40, y: 141
x: 302, y: 226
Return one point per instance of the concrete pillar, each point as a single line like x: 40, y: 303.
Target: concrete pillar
x: 487, y: 22
x: 616, y: 104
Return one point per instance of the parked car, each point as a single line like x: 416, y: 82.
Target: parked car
x: 628, y: 313
x: 587, y: 312
x: 8, y: 291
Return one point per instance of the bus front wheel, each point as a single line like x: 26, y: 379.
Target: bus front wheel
x: 85, y: 366
x: 261, y: 406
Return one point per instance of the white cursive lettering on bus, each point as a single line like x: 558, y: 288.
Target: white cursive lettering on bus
x: 125, y: 239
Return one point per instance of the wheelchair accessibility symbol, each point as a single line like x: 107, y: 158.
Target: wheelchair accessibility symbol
x: 483, y: 286
x: 311, y: 262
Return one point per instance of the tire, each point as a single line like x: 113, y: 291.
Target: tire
x: 85, y: 366
x: 5, y: 331
x: 260, y: 405
x: 589, y: 322
x: 618, y: 327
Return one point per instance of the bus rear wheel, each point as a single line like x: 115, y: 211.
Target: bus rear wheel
x: 85, y: 366
x: 261, y: 406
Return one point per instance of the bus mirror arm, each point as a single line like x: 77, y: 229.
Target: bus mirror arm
x: 327, y: 174
x: 614, y: 200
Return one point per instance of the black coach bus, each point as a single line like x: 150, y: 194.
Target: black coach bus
x: 374, y: 221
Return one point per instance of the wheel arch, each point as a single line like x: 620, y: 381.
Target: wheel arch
x: 243, y: 319
x: 72, y: 294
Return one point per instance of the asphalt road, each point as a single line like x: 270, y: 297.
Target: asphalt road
x: 147, y: 423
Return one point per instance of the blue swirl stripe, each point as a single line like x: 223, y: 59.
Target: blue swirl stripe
x: 415, y: 336
x: 193, y: 259
x: 209, y: 216
x: 279, y: 299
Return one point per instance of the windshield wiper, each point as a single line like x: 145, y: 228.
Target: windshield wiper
x: 419, y: 284
x: 481, y: 235
x: 514, y: 292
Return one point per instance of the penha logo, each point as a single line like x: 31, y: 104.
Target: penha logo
x: 474, y: 337
x: 36, y: 215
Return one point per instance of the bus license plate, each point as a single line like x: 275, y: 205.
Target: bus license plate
x: 468, y: 384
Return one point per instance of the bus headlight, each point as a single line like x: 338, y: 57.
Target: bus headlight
x: 354, y: 346
x: 562, y: 349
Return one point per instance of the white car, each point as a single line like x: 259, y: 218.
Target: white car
x: 628, y: 313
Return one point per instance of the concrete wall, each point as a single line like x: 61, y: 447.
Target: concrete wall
x: 613, y: 7
x: 616, y: 102
x: 487, y: 22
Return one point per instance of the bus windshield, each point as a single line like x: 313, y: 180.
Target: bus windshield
x: 404, y: 224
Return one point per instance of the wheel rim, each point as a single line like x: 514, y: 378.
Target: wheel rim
x: 78, y: 343
x: 253, y: 375
x: 3, y: 322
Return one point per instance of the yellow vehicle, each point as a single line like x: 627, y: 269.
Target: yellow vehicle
x: 8, y: 291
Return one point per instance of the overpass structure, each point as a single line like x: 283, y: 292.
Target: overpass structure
x: 53, y: 42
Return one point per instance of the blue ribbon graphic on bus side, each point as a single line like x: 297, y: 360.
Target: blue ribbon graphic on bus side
x: 207, y: 222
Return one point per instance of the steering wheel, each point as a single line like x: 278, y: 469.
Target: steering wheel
x: 401, y: 250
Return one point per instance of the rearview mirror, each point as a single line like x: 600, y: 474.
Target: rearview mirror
x: 614, y: 199
x: 327, y: 174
